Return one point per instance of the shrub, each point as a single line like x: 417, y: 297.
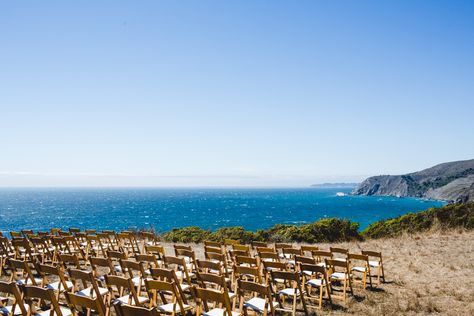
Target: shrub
x: 449, y: 216
x: 187, y: 235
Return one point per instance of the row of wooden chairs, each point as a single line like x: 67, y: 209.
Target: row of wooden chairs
x: 273, y: 274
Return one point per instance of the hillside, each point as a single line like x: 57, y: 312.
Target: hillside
x: 451, y: 181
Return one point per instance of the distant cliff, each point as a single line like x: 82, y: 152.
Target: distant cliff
x: 451, y: 181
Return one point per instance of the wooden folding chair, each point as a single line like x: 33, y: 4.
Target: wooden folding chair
x: 85, y: 285
x: 261, y: 300
x: 269, y: 266
x: 10, y: 293
x: 101, y: 267
x: 127, y: 310
x: 376, y: 264
x: 166, y: 298
x: 156, y: 250
x: 292, y: 290
x: 53, y: 278
x: 213, y: 244
x: 315, y: 277
x: 308, y: 249
x: 339, y: 253
x: 116, y: 256
x: 320, y: 256
x: 135, y: 271
x: 43, y: 301
x: 84, y: 305
x: 217, y: 282
x: 338, y: 271
x: 169, y: 275
x: 123, y: 290
x: 21, y: 273
x: 180, y: 267
x: 218, y: 298
x: 359, y: 264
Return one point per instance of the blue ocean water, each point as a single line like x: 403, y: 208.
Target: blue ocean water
x: 164, y: 209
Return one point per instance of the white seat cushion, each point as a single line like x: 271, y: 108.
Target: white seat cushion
x: 359, y: 269
x: 55, y: 285
x: 219, y: 312
x: 339, y: 275
x: 289, y: 292
x: 126, y: 298
x: 231, y: 295
x: 118, y: 268
x: 87, y: 292
x: 184, y: 286
x: 29, y: 282
x: 6, y: 310
x: 171, y: 307
x: 315, y: 282
x: 64, y: 310
x: 374, y: 263
x: 258, y: 304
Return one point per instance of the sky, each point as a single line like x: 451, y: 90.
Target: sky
x: 232, y: 93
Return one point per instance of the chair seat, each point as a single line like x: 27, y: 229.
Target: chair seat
x: 7, y: 310
x: 340, y: 276
x: 89, y: 292
x: 291, y: 262
x: 181, y: 274
x: 258, y: 304
x: 374, y: 264
x: 321, y: 264
x: 56, y: 285
x: 315, y: 282
x: 231, y: 295
x: 127, y: 298
x: 29, y: 282
x: 359, y: 269
x: 118, y: 268
x: 308, y: 272
x: 172, y: 307
x: 289, y: 292
x: 220, y: 312
x: 64, y: 310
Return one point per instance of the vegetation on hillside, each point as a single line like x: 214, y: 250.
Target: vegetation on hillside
x: 334, y: 229
x: 446, y: 217
x: 325, y: 230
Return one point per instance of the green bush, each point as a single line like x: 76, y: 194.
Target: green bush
x: 187, y: 235
x: 325, y: 230
x: 446, y: 217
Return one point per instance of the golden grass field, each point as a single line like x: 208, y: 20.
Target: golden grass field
x: 429, y: 273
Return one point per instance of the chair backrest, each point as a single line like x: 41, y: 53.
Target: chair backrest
x: 10, y: 289
x: 212, y: 249
x: 161, y: 289
x: 316, y: 270
x: 168, y: 275
x: 213, y: 244
x: 308, y: 249
x: 279, y: 246
x: 263, y: 291
x: 241, y: 271
x: 256, y: 244
x: 46, y: 270
x: 33, y: 293
x: 302, y: 259
x: 85, y: 303
x: 204, y: 296
x: 208, y: 266
x: 157, y: 250
x: 374, y: 254
x: 118, y: 284
x: 21, y: 267
x: 69, y: 260
x: 321, y: 255
x: 341, y: 252
x: 98, y: 264
x: 127, y: 310
x: 269, y: 256
x: 206, y: 280
x: 334, y: 265
x: 240, y: 260
x: 132, y: 268
x: 230, y: 242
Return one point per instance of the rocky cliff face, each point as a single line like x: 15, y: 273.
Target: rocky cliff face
x: 452, y: 181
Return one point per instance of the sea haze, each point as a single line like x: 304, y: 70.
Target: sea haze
x: 164, y: 209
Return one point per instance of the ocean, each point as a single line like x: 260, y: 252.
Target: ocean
x: 164, y: 209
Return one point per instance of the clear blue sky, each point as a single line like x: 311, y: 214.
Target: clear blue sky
x: 172, y: 93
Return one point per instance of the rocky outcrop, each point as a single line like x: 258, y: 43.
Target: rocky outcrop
x: 452, y: 181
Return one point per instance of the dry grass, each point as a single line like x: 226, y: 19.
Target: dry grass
x: 431, y: 273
